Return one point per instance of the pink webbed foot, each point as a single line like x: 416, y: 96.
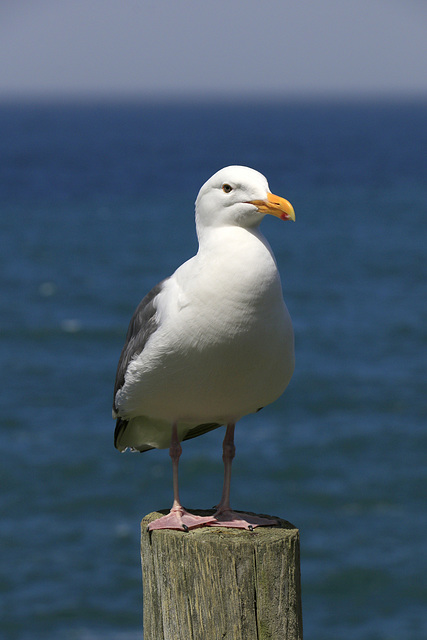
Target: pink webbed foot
x: 240, y: 520
x: 180, y: 519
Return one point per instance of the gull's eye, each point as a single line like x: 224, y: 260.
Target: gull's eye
x: 226, y: 188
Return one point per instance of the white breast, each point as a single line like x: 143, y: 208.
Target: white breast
x: 224, y: 345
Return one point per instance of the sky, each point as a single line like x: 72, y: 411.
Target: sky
x: 262, y: 48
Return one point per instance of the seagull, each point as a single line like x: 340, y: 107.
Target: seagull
x: 211, y: 343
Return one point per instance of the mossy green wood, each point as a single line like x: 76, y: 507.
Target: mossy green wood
x: 215, y: 583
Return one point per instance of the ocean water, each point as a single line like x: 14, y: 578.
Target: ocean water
x: 96, y: 206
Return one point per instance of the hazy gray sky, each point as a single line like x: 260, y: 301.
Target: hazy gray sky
x: 261, y: 47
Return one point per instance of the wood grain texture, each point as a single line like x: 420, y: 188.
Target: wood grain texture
x: 221, y: 584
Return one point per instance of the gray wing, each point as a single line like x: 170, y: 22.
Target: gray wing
x: 142, y: 325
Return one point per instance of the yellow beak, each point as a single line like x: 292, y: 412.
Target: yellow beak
x: 276, y: 206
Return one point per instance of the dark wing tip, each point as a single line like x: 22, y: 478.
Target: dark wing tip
x: 201, y: 429
x: 121, y: 426
x: 119, y: 430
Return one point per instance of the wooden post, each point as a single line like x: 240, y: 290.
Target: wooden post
x: 214, y: 583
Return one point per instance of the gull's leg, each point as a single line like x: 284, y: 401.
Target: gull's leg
x: 225, y: 516
x: 178, y: 517
x: 228, y: 453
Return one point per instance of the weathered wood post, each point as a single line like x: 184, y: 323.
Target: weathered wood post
x: 215, y: 583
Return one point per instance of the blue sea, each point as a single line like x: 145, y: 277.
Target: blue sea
x: 96, y: 206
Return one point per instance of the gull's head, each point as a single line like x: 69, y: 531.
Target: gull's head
x: 238, y: 196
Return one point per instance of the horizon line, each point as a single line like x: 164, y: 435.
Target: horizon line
x: 40, y: 97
